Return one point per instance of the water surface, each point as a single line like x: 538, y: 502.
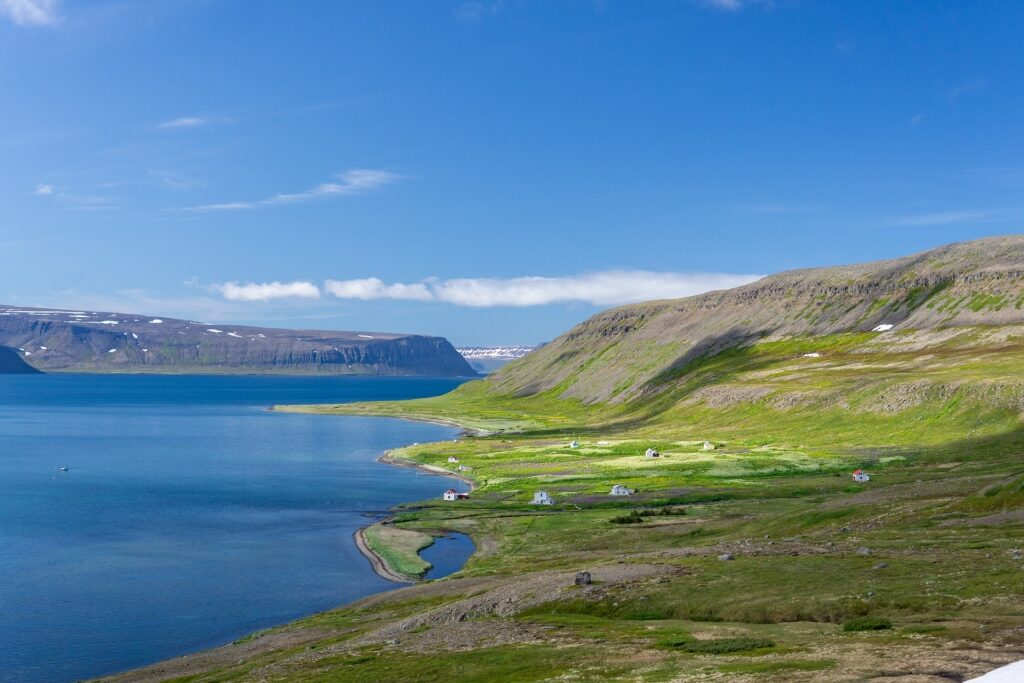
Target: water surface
x: 189, y: 515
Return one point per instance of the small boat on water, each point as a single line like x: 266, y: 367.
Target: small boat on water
x: 63, y: 468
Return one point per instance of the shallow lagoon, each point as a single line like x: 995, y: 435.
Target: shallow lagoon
x: 189, y: 515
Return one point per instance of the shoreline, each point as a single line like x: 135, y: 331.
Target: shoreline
x: 300, y: 408
x: 380, y: 567
x: 389, y: 459
x: 378, y: 563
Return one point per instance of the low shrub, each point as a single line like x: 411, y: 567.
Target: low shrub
x: 867, y: 624
x: 717, y: 646
x: 633, y: 517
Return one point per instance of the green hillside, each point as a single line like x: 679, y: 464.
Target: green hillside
x: 746, y: 550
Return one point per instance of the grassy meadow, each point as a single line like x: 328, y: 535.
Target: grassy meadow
x: 759, y: 560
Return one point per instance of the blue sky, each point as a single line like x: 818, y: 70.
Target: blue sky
x: 491, y: 171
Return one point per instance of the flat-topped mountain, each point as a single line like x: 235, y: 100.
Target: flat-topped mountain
x: 89, y: 341
x: 633, y: 351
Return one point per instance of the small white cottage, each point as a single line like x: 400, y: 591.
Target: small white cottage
x: 620, y: 490
x: 860, y: 476
x: 651, y: 453
x: 574, y: 444
x: 451, y: 494
x: 541, y: 498
x: 708, y: 446
x: 452, y: 459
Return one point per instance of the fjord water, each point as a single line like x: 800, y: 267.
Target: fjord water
x: 189, y: 515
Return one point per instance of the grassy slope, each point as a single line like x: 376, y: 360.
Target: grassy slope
x: 937, y: 424
x: 399, y: 548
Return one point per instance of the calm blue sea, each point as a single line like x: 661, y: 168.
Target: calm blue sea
x: 189, y: 515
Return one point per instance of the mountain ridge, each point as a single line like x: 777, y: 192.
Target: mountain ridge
x: 55, y: 340
x: 620, y: 354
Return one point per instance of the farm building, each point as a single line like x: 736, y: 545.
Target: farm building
x: 620, y: 490
x: 708, y: 446
x: 860, y: 476
x: 541, y: 498
x: 451, y: 494
x: 452, y: 458
x: 574, y: 444
x: 651, y: 453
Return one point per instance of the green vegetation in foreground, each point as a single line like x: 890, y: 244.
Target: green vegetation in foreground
x: 399, y: 548
x: 772, y: 564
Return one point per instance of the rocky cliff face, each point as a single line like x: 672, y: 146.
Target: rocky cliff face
x: 85, y: 341
x: 12, y: 364
x: 620, y: 354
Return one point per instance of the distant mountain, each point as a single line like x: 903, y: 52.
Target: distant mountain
x: 487, y: 359
x: 87, y: 341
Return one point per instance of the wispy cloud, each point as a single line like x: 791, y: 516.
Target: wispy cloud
x: 475, y: 10
x: 173, y: 180
x: 602, y: 288
x: 731, y: 5
x: 31, y: 12
x: 356, y: 181
x: 973, y: 86
x: 73, y: 200
x: 950, y: 217
x: 267, y: 291
x: 187, y: 122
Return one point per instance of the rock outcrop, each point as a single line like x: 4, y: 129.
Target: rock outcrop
x: 12, y: 364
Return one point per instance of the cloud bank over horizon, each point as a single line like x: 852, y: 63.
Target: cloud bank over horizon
x: 605, y: 288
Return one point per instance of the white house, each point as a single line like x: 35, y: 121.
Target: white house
x: 574, y: 444
x: 541, y: 498
x: 620, y: 490
x: 651, y: 453
x: 708, y: 446
x: 451, y: 494
x: 452, y: 458
x: 860, y: 476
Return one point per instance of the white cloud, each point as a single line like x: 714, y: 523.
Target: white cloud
x: 31, y: 12
x: 355, y: 181
x: 605, y: 288
x: 371, y: 288
x: 44, y: 190
x: 267, y: 291
x: 602, y: 289
x: 184, y: 122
